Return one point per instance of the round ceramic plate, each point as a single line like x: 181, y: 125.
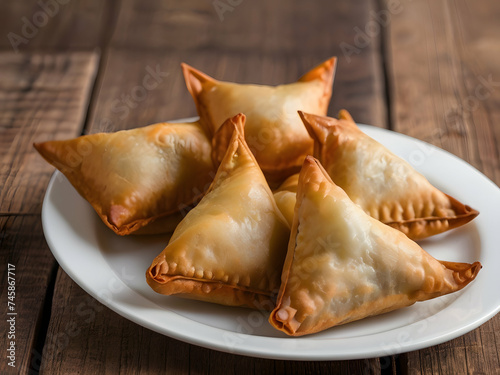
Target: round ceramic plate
x: 112, y: 269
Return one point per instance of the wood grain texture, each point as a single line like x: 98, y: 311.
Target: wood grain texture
x: 445, y: 90
x: 84, y: 334
x: 439, y: 59
x: 43, y: 97
x: 125, y: 104
x: 254, y: 31
x: 473, y: 353
x: 56, y: 24
x: 24, y: 246
x: 264, y: 27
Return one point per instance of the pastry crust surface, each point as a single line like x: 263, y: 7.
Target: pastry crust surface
x: 384, y: 185
x: 273, y: 129
x: 133, y: 178
x: 342, y: 265
x: 230, y: 248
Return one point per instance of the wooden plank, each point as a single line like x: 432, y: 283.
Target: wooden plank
x: 87, y: 329
x: 56, y: 24
x: 445, y: 90
x: 128, y: 104
x: 24, y: 247
x: 473, y: 353
x: 291, y: 30
x: 102, y: 342
x: 260, y: 26
x: 125, y: 105
x: 43, y: 97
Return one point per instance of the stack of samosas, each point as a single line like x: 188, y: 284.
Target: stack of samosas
x: 288, y: 210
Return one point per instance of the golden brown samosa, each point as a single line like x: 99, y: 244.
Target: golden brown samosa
x: 273, y: 130
x: 137, y: 180
x: 343, y: 265
x: 230, y: 248
x: 384, y: 185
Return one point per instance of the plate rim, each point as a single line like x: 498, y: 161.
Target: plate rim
x: 264, y: 352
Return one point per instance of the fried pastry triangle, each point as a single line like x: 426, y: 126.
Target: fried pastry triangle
x: 384, y: 185
x: 133, y: 178
x: 285, y: 197
x: 273, y: 130
x: 230, y: 248
x: 342, y: 265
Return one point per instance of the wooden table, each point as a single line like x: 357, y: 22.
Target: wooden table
x: 429, y: 69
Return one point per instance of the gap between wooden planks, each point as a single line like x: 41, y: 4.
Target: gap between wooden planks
x: 44, y: 96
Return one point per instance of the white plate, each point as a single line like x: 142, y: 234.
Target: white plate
x: 112, y: 269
